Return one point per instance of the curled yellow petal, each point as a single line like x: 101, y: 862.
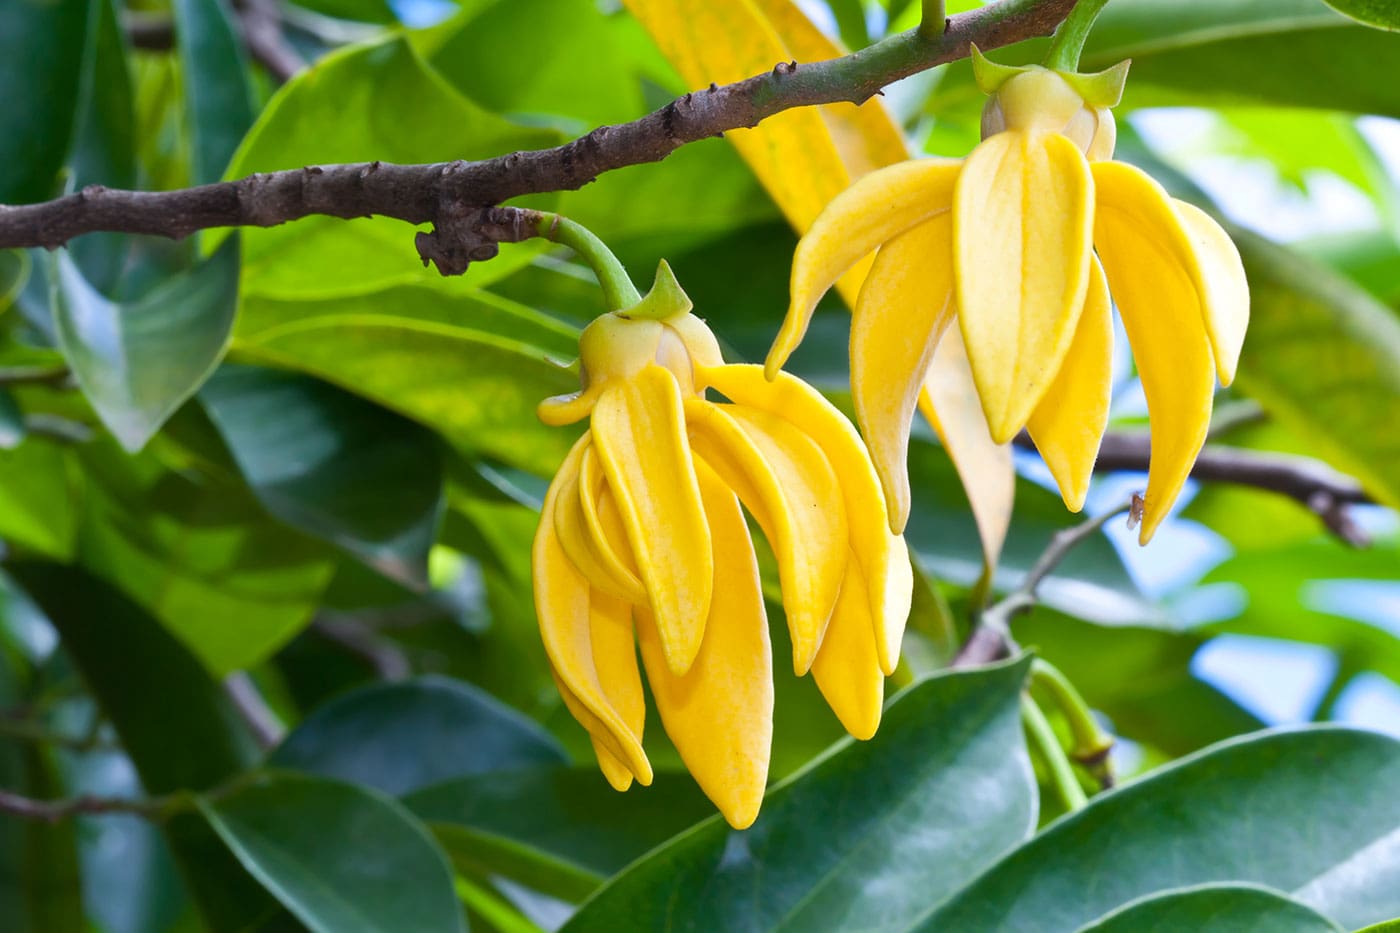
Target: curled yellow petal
x: 1223, y: 287
x: 606, y: 534
x: 720, y: 713
x: 590, y: 553
x: 639, y: 431
x: 904, y: 307
x: 611, y: 760
x: 785, y: 480
x: 847, y: 668
x: 615, y: 659
x: 1069, y: 422
x: 1149, y: 260
x: 1022, y: 229
x: 876, y: 208
x: 880, y: 552
x: 950, y: 403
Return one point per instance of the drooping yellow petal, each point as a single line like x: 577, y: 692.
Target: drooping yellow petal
x: 905, y: 306
x: 881, y: 553
x: 599, y: 566
x: 606, y: 535
x: 720, y: 713
x: 950, y: 403
x: 1148, y: 260
x: 605, y: 746
x: 1022, y: 224
x: 847, y: 669
x: 1224, y: 289
x: 1069, y: 422
x: 876, y: 208
x: 785, y: 480
x: 639, y: 431
x: 613, y: 769
x: 615, y: 658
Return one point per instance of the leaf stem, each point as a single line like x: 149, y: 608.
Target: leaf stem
x: 1068, y: 43
x: 1044, y: 741
x: 934, y: 19
x: 618, y: 290
x: 1091, y: 743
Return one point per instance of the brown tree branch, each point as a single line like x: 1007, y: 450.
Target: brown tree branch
x: 451, y: 194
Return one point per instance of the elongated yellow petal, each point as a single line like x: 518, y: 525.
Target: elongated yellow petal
x: 905, y: 306
x: 785, y: 480
x: 847, y: 669
x: 605, y: 746
x: 612, y: 767
x: 639, y: 430
x: 1069, y: 422
x: 579, y: 543
x: 1148, y: 260
x: 615, y: 658
x: 1223, y: 287
x: 720, y: 713
x: 881, y: 553
x: 950, y: 403
x: 876, y: 208
x: 1022, y: 227
x: 605, y: 533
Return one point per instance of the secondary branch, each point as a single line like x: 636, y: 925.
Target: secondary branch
x: 451, y: 195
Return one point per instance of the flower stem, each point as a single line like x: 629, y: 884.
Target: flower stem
x: 1091, y: 743
x: 1045, y: 742
x: 934, y: 19
x: 1069, y: 39
x: 618, y: 290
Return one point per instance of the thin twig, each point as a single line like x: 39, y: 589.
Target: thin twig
x: 259, y: 21
x: 361, y: 641
x: 446, y: 193
x: 261, y: 720
x: 52, y: 811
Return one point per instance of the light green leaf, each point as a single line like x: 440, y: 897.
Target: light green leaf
x: 1215, y: 908
x: 137, y: 361
x: 376, y: 736
x: 1309, y: 812
x: 333, y: 465
x: 871, y: 835
x: 39, y: 498
x: 1383, y: 14
x: 218, y: 97
x: 341, y: 858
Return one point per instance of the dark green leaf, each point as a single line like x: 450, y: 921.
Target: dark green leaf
x: 401, y: 737
x: 137, y: 362
x: 333, y: 465
x: 41, y: 56
x: 872, y: 835
x: 557, y: 830
x: 218, y: 98
x: 1311, y: 813
x: 1224, y: 908
x: 40, y: 888
x: 341, y: 858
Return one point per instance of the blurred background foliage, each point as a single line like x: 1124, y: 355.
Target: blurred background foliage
x: 266, y: 501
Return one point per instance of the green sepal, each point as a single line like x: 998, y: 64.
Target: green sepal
x: 665, y: 300
x: 990, y: 75
x: 1102, y: 88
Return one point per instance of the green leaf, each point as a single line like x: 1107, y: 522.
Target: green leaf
x: 561, y: 831
x: 369, y: 102
x: 232, y: 583
x: 39, y: 490
x: 1388, y: 926
x: 1323, y: 357
x: 40, y: 886
x: 179, y: 727
x: 332, y: 465
x: 377, y: 735
x: 41, y: 56
x: 1222, y: 908
x: 871, y: 833
x: 341, y: 858
x: 473, y: 368
x: 1309, y: 812
x: 218, y: 97
x: 137, y: 361
x: 1383, y: 14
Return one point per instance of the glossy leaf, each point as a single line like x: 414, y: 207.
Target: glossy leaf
x: 895, y: 836
x: 1378, y: 13
x: 333, y: 465
x: 41, y: 53
x: 378, y: 735
x: 1299, y: 811
x: 218, y: 98
x: 340, y: 858
x: 137, y: 361
x: 1232, y: 908
x: 561, y: 831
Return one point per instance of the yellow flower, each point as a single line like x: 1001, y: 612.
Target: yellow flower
x: 642, y: 532
x: 1023, y: 243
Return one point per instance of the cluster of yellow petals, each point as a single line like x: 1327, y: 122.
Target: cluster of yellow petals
x: 1028, y: 243
x: 643, y: 536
